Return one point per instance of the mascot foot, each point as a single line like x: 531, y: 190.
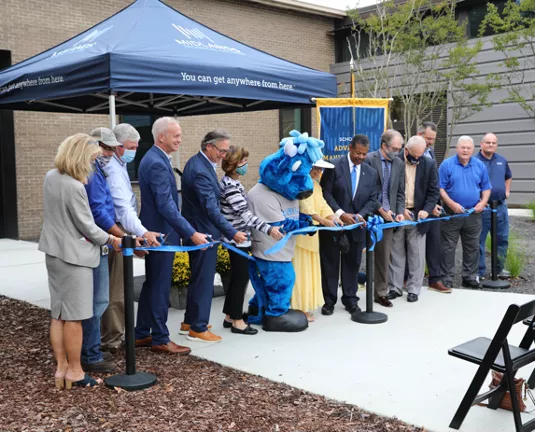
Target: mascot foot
x: 291, y: 321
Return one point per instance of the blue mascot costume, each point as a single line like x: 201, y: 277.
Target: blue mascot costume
x: 284, y: 180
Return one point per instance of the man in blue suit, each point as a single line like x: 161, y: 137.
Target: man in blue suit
x: 201, y: 194
x: 159, y: 213
x: 350, y: 190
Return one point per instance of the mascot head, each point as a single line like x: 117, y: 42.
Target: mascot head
x: 288, y: 170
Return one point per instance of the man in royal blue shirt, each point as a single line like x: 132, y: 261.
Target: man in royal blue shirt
x: 500, y: 177
x: 464, y: 184
x: 101, y: 203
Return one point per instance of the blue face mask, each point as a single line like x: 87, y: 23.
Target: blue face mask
x: 242, y: 170
x: 128, y: 155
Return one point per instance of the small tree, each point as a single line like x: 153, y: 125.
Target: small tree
x: 515, y: 40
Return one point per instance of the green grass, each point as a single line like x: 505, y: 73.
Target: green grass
x: 531, y: 206
x: 516, y: 258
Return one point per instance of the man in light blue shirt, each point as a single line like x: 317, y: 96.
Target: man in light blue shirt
x: 464, y: 184
x: 126, y: 216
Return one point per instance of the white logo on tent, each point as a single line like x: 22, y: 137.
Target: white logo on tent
x: 195, y: 39
x: 86, y: 42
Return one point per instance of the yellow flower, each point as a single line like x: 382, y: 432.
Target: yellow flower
x: 223, y: 261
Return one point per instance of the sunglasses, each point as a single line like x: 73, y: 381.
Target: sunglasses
x: 105, y: 147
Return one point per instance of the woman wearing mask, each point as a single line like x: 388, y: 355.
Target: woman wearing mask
x: 71, y: 241
x: 234, y: 208
x: 307, y: 294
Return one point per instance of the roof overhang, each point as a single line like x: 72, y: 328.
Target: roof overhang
x: 300, y: 6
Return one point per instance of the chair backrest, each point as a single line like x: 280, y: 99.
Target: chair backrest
x: 526, y: 310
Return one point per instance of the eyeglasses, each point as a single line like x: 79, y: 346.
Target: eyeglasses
x: 222, y: 151
x: 108, y: 148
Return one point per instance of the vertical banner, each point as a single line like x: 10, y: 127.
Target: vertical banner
x: 339, y: 119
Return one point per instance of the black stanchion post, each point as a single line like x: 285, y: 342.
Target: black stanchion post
x: 494, y: 283
x: 369, y: 316
x: 131, y: 380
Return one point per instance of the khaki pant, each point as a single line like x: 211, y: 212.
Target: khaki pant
x: 112, y: 323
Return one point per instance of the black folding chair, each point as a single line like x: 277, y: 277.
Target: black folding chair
x: 497, y: 354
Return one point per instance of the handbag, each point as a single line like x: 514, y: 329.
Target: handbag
x: 506, y: 402
x: 344, y: 243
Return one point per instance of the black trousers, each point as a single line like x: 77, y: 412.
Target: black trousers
x: 239, y: 279
x: 332, y: 269
x: 433, y: 252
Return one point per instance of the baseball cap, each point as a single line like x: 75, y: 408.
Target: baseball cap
x: 321, y: 163
x: 106, y: 136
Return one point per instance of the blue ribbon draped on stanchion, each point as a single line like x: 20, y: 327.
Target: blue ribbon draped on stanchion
x: 181, y: 249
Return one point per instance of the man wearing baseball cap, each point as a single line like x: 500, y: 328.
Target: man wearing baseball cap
x: 101, y: 203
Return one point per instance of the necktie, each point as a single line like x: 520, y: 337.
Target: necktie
x: 386, y: 183
x: 354, y: 181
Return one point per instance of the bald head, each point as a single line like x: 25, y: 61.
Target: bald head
x: 489, y: 145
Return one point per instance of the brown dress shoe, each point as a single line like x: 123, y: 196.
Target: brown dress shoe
x: 144, y: 342
x: 383, y: 300
x: 172, y: 348
x: 203, y: 337
x: 439, y: 287
x: 185, y: 328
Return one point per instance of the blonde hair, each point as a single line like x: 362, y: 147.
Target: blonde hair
x: 235, y: 154
x: 75, y: 156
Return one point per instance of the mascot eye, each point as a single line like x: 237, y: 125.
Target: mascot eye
x: 296, y: 166
x: 290, y: 149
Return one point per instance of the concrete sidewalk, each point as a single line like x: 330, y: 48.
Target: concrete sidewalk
x: 400, y: 368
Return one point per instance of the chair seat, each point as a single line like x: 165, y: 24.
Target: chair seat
x: 476, y: 349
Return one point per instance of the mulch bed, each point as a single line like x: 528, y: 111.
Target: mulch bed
x: 191, y: 394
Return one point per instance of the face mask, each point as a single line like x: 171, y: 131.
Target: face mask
x: 391, y: 155
x: 128, y: 155
x: 103, y: 160
x: 242, y: 170
x: 412, y: 159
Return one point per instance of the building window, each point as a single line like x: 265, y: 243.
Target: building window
x: 143, y: 125
x: 295, y: 118
x: 476, y: 15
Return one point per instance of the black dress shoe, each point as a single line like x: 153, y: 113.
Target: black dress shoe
x: 471, y: 284
x: 327, y: 310
x: 100, y: 367
x: 383, y: 300
x: 353, y: 309
x: 412, y: 297
x: 393, y: 295
x: 226, y: 324
x: 247, y: 331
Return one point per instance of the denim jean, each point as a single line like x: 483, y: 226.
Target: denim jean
x: 91, y: 353
x: 502, y: 234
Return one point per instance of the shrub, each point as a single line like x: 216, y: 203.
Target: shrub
x: 488, y: 244
x: 531, y: 206
x: 223, y: 261
x: 516, y: 258
x: 181, y: 270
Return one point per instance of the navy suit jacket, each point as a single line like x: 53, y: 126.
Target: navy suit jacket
x: 159, y: 197
x: 200, y: 199
x: 337, y: 191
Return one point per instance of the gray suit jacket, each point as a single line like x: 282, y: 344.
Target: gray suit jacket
x: 68, y: 222
x: 396, y: 193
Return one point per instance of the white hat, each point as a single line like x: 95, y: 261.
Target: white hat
x: 321, y: 163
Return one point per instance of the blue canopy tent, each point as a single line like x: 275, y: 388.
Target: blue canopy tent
x: 149, y: 58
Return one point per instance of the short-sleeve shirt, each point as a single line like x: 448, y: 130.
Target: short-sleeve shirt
x: 464, y: 183
x: 499, y: 172
x: 271, y: 207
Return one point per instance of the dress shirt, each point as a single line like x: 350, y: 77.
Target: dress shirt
x: 410, y: 182
x: 124, y: 199
x: 351, y: 165
x: 169, y: 157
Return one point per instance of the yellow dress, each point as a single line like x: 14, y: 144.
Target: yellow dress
x: 307, y: 294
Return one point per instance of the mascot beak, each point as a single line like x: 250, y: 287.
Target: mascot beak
x: 305, y: 194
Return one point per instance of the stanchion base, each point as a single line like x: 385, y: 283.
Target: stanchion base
x: 131, y: 382
x: 370, y: 318
x: 498, y: 284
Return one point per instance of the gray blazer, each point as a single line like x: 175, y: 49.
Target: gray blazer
x: 396, y: 193
x: 68, y: 221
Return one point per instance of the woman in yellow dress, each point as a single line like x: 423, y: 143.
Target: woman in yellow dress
x: 307, y: 294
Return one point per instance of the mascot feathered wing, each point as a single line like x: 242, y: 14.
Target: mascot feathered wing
x: 284, y: 180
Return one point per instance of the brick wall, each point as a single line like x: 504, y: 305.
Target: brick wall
x: 28, y: 27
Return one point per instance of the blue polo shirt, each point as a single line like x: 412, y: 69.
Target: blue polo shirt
x: 499, y: 172
x: 464, y: 183
x: 100, y: 200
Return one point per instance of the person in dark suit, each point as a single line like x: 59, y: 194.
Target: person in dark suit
x: 433, y: 249
x: 350, y: 191
x: 391, y: 205
x: 201, y: 206
x: 421, y: 195
x: 159, y: 213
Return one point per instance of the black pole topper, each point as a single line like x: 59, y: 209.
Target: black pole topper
x: 131, y: 380
x: 494, y: 283
x: 369, y: 316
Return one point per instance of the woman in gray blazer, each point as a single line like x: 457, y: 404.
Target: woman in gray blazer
x: 71, y: 241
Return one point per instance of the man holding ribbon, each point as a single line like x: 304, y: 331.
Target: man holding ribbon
x: 464, y: 188
x: 391, y: 190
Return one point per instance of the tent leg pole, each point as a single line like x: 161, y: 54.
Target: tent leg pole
x: 112, y: 111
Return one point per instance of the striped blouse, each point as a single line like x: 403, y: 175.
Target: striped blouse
x: 235, y: 209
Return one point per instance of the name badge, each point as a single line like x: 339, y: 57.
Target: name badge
x: 104, y: 250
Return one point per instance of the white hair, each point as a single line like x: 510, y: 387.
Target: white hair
x: 161, y: 125
x: 126, y: 132
x: 415, y: 140
x: 465, y: 138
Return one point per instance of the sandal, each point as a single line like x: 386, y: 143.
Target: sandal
x: 83, y: 383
